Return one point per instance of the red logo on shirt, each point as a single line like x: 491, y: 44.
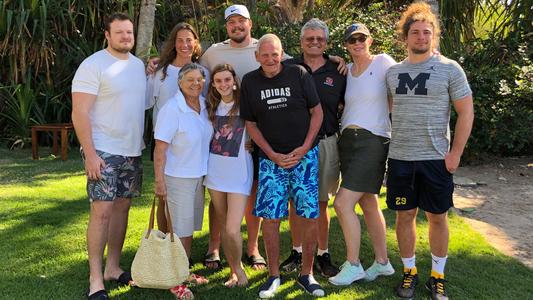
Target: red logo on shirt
x: 329, y: 81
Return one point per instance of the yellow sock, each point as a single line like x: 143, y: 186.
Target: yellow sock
x: 412, y: 271
x: 437, y: 275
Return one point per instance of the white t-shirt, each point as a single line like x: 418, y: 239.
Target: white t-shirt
x: 117, y: 116
x: 230, y: 166
x: 188, y: 134
x: 365, y: 99
x: 158, y: 92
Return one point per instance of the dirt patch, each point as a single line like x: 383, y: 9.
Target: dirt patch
x: 497, y: 200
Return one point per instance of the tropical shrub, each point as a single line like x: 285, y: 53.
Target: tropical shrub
x: 501, y: 76
x: 43, y: 42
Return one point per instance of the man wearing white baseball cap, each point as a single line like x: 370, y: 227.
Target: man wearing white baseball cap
x: 236, y: 9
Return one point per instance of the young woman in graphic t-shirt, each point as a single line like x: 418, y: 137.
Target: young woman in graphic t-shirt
x: 229, y: 170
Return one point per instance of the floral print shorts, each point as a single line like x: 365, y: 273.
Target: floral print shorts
x: 121, y: 178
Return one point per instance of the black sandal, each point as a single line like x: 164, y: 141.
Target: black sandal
x: 125, y: 279
x: 212, y: 258
x: 256, y: 260
x: 99, y: 295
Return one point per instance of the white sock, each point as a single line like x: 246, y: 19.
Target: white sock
x: 298, y: 249
x: 321, y: 252
x: 438, y: 263
x: 409, y: 262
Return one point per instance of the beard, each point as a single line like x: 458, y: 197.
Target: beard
x: 420, y: 50
x: 121, y: 49
x: 238, y: 39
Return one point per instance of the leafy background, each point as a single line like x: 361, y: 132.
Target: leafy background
x: 43, y: 41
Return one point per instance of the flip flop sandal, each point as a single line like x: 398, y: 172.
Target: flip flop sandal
x: 99, y: 295
x: 125, y: 279
x: 212, y: 258
x: 182, y: 292
x: 256, y: 260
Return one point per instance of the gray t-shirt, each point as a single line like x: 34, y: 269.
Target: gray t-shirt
x: 421, y: 96
x: 241, y: 59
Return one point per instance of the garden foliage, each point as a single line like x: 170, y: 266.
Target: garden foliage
x: 42, y: 43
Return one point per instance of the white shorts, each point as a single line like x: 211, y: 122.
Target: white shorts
x: 185, y: 199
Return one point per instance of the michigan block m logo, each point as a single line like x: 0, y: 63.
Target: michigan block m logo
x: 419, y: 82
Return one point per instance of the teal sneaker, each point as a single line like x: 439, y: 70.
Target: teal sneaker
x: 377, y: 269
x: 348, y: 274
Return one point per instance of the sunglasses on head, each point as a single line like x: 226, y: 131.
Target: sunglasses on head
x: 353, y: 39
x: 311, y: 39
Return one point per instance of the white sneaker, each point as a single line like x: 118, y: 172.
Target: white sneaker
x: 348, y: 274
x: 269, y: 288
x: 377, y: 269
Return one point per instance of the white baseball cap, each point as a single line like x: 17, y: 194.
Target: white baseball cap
x: 236, y: 9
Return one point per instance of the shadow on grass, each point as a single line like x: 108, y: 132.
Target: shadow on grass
x: 19, y: 168
x: 44, y: 251
x: 39, y: 243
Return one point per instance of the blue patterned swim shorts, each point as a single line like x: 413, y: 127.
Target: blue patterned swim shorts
x: 277, y: 185
x: 121, y: 178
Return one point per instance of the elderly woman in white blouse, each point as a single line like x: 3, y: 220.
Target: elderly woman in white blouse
x: 182, y: 135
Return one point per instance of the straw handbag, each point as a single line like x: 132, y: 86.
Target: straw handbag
x: 160, y: 261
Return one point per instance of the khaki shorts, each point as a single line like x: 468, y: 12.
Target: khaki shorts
x: 328, y: 168
x: 185, y: 199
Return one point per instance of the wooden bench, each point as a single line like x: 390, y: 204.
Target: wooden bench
x: 64, y: 128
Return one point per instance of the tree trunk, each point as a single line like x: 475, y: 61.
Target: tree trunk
x: 289, y: 11
x: 145, y: 29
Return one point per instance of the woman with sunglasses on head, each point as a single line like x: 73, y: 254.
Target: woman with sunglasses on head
x: 230, y: 168
x: 363, y: 148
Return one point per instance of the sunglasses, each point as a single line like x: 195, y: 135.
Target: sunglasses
x: 318, y: 39
x: 352, y: 40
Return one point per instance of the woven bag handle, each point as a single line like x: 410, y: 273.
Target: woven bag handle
x: 151, y: 222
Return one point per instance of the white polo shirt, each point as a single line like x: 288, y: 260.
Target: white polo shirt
x: 188, y: 134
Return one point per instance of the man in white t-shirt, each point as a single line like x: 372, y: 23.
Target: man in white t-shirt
x: 108, y: 115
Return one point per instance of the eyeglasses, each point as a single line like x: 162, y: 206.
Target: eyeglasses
x: 361, y: 39
x: 318, y: 39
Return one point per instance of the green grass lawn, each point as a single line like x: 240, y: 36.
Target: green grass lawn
x: 43, y: 219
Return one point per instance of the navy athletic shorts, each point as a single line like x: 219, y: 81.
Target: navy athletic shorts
x: 425, y: 184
